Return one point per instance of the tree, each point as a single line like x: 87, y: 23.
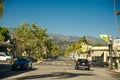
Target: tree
x: 77, y: 46
x: 4, y: 34
x: 40, y: 39
x: 33, y: 38
x: 1, y: 7
x: 54, y: 50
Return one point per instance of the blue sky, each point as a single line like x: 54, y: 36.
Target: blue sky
x: 66, y: 17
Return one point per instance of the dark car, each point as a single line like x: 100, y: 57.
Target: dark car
x: 22, y: 63
x: 82, y: 63
x: 98, y: 63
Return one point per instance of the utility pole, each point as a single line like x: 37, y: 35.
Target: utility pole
x: 13, y: 42
x: 110, y: 51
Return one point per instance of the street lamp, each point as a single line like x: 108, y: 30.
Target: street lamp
x: 110, y: 50
x: 118, y: 13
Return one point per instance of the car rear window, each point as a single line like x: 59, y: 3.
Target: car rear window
x: 82, y: 60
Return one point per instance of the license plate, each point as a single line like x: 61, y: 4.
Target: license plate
x: 83, y: 63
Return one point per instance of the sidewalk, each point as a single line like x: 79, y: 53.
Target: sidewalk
x: 116, y: 71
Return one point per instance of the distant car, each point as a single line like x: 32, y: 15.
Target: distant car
x: 98, y: 63
x: 5, y: 58
x: 82, y: 63
x: 22, y: 64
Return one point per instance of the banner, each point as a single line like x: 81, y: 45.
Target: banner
x: 84, y: 47
x: 104, y: 37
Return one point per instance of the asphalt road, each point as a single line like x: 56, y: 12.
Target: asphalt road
x: 60, y: 70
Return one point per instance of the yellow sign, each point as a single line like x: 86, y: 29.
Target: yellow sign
x: 84, y: 47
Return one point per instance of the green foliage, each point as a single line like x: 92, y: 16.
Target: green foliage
x: 54, y: 50
x: 33, y: 37
x: 1, y: 7
x: 83, y: 39
x: 4, y: 34
x: 77, y: 46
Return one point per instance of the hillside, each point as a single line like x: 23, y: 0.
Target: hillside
x: 62, y: 38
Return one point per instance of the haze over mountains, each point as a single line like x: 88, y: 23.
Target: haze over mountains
x: 59, y: 37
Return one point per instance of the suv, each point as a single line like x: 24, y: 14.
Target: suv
x: 5, y: 58
x: 82, y: 63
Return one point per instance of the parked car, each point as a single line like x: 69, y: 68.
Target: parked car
x: 98, y: 63
x: 5, y: 58
x: 21, y: 64
x: 82, y: 63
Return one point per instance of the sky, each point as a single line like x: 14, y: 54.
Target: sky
x: 65, y: 17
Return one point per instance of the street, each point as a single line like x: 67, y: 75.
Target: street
x: 60, y: 70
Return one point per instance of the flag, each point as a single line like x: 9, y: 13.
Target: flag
x: 104, y: 37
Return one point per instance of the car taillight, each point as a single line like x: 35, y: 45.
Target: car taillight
x: 88, y: 63
x: 78, y: 62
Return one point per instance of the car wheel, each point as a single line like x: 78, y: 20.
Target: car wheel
x: 76, y: 67
x: 8, y: 61
x: 88, y: 68
x: 12, y: 69
x: 27, y: 67
x: 31, y: 66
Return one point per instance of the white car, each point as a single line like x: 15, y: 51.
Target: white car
x: 5, y: 58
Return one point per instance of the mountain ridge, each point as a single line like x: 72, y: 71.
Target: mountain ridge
x: 89, y: 38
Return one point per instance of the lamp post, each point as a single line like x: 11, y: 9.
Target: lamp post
x: 118, y: 11
x: 110, y: 51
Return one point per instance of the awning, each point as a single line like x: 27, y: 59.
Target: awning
x: 100, y: 53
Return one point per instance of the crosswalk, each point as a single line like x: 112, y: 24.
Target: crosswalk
x: 56, y: 63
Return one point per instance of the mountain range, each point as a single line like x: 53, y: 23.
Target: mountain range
x: 58, y: 37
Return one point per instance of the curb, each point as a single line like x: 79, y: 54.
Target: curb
x: 114, y: 71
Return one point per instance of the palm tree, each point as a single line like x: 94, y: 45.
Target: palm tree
x: 1, y: 7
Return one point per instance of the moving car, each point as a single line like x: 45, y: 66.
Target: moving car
x: 5, y: 58
x: 22, y: 63
x: 82, y: 63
